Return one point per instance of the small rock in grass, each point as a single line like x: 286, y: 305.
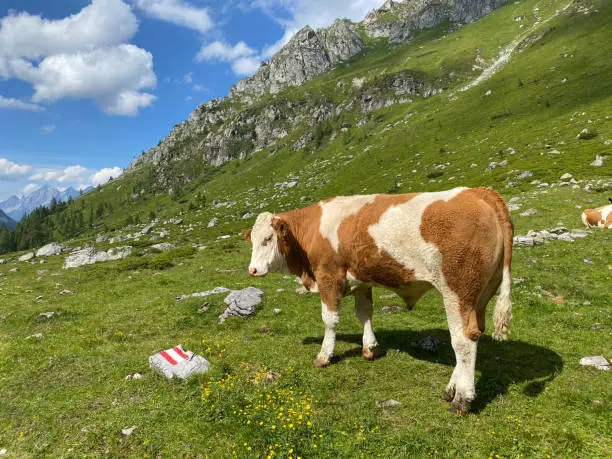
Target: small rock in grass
x: 134, y: 376
x: 3, y: 452
x: 301, y: 290
x: 598, y: 161
x: 46, y: 315
x: 128, y: 431
x: 65, y: 292
x: 429, y: 344
x: 203, y: 308
x: 241, y: 303
x: 390, y: 308
x: 36, y: 336
x: 178, y: 362
x: 528, y: 212
x: 597, y: 361
x: 26, y: 257
x: 388, y: 403
x: 596, y: 403
x: 214, y: 291
x: 586, y: 134
x: 39, y: 297
x: 588, y: 261
x: 518, y: 280
x: 14, y: 270
x: 277, y: 311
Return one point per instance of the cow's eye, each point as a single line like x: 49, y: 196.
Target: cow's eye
x: 267, y: 240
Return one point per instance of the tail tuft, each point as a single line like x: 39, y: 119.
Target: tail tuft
x: 502, y: 314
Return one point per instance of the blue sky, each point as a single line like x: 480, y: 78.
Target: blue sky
x: 87, y: 85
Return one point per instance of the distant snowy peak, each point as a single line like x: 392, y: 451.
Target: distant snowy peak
x: 16, y: 207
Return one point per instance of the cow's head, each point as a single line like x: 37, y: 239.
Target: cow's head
x: 269, y: 237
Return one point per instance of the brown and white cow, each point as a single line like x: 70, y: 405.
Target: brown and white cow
x: 457, y: 241
x: 598, y: 218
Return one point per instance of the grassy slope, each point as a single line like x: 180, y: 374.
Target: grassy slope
x: 66, y: 395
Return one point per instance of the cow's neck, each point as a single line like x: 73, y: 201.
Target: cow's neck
x: 300, y: 223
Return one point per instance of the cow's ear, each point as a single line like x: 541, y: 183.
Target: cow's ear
x: 281, y: 227
x: 247, y: 236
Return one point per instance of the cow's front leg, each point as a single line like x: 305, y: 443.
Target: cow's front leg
x: 330, y: 313
x: 363, y: 311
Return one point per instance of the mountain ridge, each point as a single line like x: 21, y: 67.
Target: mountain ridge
x: 308, y: 54
x: 16, y: 207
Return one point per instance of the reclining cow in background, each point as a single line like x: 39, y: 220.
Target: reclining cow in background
x: 598, y: 218
x: 457, y: 241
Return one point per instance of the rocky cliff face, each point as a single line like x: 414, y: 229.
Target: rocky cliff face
x: 399, y: 20
x: 236, y: 126
x: 308, y: 54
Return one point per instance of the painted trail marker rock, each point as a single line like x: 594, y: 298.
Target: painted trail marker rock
x: 177, y: 362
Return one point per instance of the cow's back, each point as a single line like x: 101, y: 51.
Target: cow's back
x: 395, y: 239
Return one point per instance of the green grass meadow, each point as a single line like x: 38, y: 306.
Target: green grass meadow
x: 66, y: 395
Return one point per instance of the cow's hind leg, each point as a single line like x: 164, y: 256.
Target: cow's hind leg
x: 461, y: 389
x: 363, y: 311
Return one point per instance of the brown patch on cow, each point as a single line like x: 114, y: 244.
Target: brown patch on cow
x: 294, y: 253
x: 473, y: 232
x: 594, y: 217
x: 308, y: 254
x: 312, y: 257
x: 358, y: 249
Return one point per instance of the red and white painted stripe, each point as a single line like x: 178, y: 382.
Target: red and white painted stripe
x: 174, y: 356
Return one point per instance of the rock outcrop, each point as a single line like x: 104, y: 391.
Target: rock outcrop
x: 49, y: 250
x: 89, y: 256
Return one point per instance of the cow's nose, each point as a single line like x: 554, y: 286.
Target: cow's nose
x: 253, y: 271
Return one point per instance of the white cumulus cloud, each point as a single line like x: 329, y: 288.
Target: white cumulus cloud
x: 246, y: 65
x: 66, y: 175
x: 218, y: 50
x: 112, y: 77
x: 245, y: 60
x: 102, y: 23
x: 16, y: 104
x: 12, y: 171
x: 177, y: 12
x: 30, y: 188
x: 104, y: 175
x: 82, y: 56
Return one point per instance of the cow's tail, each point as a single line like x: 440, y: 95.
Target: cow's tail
x: 502, y: 314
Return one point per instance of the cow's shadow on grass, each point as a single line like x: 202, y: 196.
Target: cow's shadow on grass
x: 500, y: 364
